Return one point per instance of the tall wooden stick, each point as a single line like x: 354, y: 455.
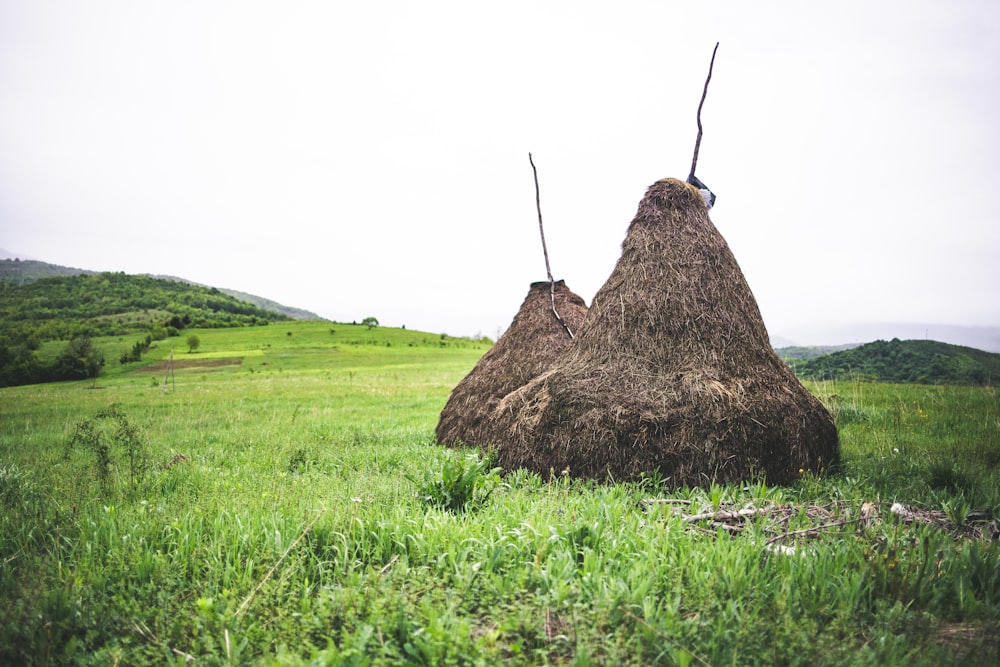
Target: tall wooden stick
x: 697, y: 143
x: 548, y: 269
x: 170, y: 373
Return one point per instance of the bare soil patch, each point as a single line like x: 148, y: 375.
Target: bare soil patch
x: 179, y: 364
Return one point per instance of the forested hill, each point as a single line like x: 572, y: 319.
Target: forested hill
x: 61, y: 307
x: 24, y: 271
x: 904, y: 361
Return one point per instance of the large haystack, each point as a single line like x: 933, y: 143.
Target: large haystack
x: 527, y: 348
x: 671, y: 370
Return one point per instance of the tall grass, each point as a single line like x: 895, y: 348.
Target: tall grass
x: 283, y: 518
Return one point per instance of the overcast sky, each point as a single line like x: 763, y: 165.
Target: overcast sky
x: 370, y: 158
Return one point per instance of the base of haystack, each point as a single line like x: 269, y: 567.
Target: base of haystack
x: 699, y: 434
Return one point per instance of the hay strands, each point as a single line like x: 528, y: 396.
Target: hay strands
x: 545, y: 251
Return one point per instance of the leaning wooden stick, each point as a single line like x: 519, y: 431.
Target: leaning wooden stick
x: 548, y: 270
x: 697, y: 143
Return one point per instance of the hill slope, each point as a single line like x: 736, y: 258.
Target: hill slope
x: 60, y: 307
x: 811, y: 351
x: 909, y: 361
x: 24, y: 271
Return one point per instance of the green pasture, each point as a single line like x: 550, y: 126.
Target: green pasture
x: 275, y: 498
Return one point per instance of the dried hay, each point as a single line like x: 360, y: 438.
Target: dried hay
x: 671, y: 370
x: 529, y: 345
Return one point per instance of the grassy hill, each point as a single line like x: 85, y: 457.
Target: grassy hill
x: 904, y: 361
x: 259, y: 301
x: 60, y: 307
x: 21, y: 272
x: 76, y: 308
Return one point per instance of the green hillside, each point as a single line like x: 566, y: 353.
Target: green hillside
x: 77, y: 308
x: 267, y: 304
x: 24, y: 271
x: 904, y: 361
x: 104, y: 304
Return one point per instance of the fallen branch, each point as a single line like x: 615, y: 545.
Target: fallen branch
x: 664, y: 501
x: 810, y: 530
x: 978, y: 524
x: 722, y: 516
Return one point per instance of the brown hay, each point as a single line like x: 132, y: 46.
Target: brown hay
x: 526, y: 349
x: 671, y: 370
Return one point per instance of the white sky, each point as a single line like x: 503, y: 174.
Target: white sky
x: 370, y: 158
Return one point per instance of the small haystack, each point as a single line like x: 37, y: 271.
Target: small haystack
x: 527, y: 348
x: 671, y: 370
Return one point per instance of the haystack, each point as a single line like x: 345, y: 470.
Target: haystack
x: 671, y: 370
x: 526, y: 349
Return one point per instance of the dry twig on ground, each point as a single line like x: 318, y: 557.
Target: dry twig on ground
x: 822, y: 519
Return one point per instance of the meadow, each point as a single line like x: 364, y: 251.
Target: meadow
x: 278, y: 498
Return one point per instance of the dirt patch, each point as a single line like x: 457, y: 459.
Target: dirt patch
x: 179, y: 364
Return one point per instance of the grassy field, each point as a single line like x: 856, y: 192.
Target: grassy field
x: 280, y: 501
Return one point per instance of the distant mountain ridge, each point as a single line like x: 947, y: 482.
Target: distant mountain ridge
x: 24, y: 271
x: 985, y: 338
x: 811, y: 351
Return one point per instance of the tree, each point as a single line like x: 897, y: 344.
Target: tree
x: 370, y: 322
x: 193, y: 342
x: 79, y: 360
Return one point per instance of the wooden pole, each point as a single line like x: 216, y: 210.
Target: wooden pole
x: 548, y: 270
x: 697, y: 143
x: 170, y: 373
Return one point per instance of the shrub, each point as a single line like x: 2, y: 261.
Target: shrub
x: 140, y: 348
x: 79, y: 360
x: 119, y: 453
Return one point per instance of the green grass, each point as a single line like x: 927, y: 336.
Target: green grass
x: 284, y: 517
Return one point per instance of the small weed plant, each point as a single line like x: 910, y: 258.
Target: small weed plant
x: 458, y: 483
x: 300, y: 460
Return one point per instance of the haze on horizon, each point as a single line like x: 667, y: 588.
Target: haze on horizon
x: 362, y: 159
